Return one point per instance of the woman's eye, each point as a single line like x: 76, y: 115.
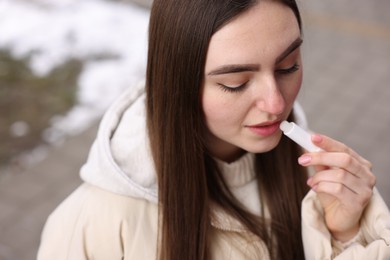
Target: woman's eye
x: 290, y: 70
x: 233, y: 89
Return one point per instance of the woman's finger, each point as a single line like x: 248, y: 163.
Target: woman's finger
x: 352, y: 201
x: 337, y: 175
x: 339, y: 160
x: 330, y: 145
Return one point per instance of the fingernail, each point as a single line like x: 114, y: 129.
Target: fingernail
x: 304, y: 159
x: 309, y: 181
x: 316, y: 138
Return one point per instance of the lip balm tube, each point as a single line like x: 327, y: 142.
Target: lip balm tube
x: 298, y: 135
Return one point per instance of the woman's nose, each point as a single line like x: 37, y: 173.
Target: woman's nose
x: 269, y: 98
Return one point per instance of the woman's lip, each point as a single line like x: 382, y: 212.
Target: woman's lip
x: 265, y: 129
x: 265, y: 123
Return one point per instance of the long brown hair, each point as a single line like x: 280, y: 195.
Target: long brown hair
x: 188, y: 179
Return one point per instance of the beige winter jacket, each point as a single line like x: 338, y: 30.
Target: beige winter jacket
x: 114, y: 214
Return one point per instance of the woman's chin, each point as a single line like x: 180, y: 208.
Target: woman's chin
x: 264, y: 145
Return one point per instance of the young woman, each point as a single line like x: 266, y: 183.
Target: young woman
x: 197, y: 167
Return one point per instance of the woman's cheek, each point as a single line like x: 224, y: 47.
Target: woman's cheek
x: 215, y: 111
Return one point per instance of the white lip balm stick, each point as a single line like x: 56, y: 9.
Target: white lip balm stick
x: 298, y: 135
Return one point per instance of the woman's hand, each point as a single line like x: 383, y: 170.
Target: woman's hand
x: 343, y: 182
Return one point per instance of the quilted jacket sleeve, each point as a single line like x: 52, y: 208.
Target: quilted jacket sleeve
x: 372, y: 242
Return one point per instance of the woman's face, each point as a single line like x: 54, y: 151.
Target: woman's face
x: 253, y: 74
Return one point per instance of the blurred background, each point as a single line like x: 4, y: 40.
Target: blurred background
x: 62, y: 62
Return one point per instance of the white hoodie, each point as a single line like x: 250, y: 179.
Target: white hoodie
x: 120, y: 159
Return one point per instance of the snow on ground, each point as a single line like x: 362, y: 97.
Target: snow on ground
x: 54, y: 31
x: 57, y: 30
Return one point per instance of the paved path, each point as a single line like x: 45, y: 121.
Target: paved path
x: 26, y: 199
x: 346, y: 95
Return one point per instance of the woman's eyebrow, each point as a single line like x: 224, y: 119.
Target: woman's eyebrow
x: 237, y: 68
x: 234, y: 68
x: 292, y: 47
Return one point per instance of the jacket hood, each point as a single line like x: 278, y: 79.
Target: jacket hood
x: 120, y: 160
